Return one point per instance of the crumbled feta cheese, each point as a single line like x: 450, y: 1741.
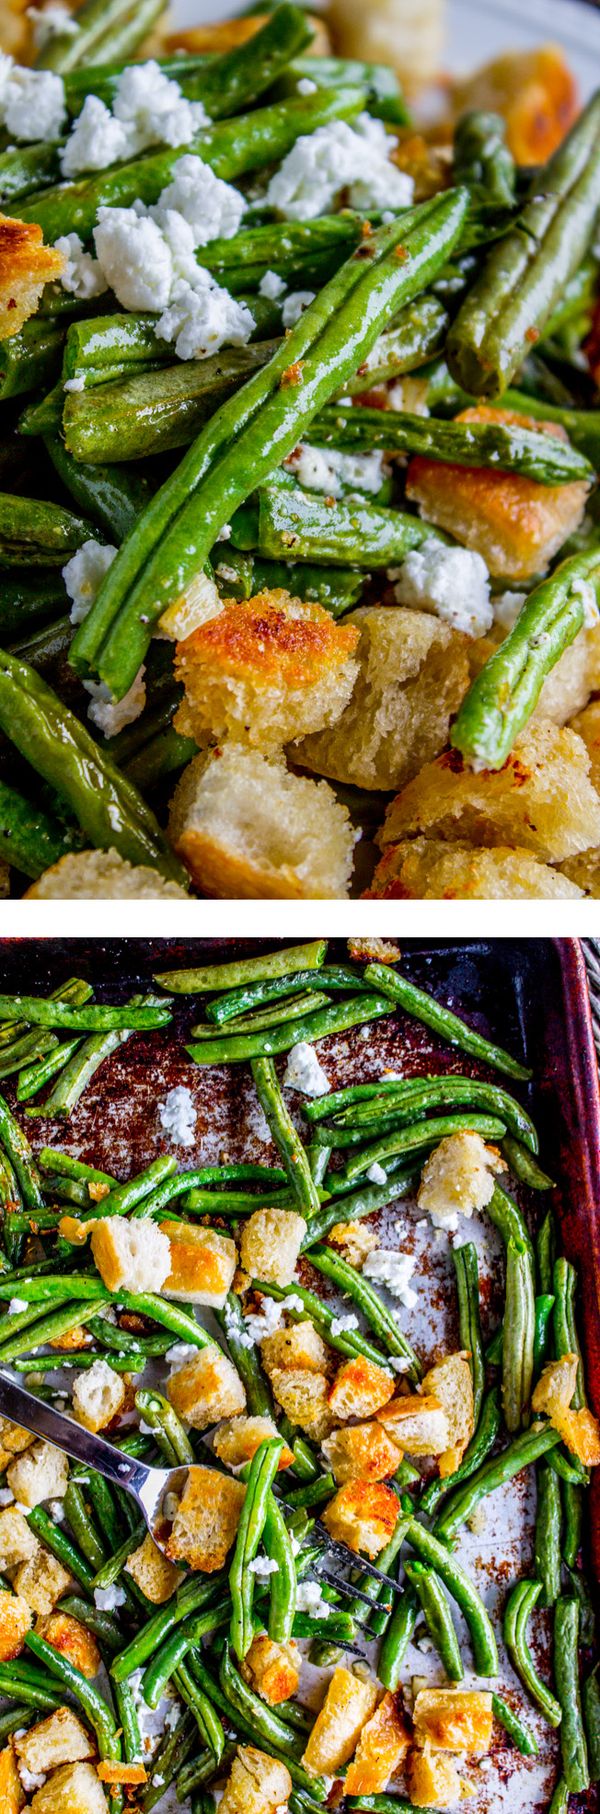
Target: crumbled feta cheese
x: 96, y: 140
x: 111, y: 715
x: 135, y: 258
x: 262, y: 1567
x: 309, y: 1598
x: 507, y: 607
x: 57, y: 1511
x: 202, y: 319
x: 305, y: 86
x: 108, y: 1598
x: 586, y: 593
x: 340, y: 1324
x: 326, y: 469
x: 74, y: 384
x: 213, y: 209
x: 6, y: 1496
x: 376, y: 1174
x: 389, y: 1267
x: 271, y: 286
x: 265, y: 1321
x: 83, y: 576
x: 339, y: 157
x: 32, y: 102
x: 48, y: 22
x: 148, y: 109
x: 17, y: 1304
x: 425, y: 1645
x: 304, y: 1072
x: 31, y: 1779
x: 451, y: 582
x: 180, y: 1354
x: 294, y: 1302
x: 178, y: 1116
x: 294, y: 306
x: 398, y: 1363
x: 82, y: 276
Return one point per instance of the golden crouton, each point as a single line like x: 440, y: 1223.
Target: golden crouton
x: 587, y: 726
x: 15, y: 1620
x: 157, y: 1577
x: 206, y: 1388
x: 13, y: 1438
x: 355, y: 1240
x: 360, y: 1388
x: 516, y: 523
x: 453, y: 1719
x: 458, y: 1178
x: 26, y: 264
x: 41, y: 1581
x: 40, y: 1473
x: 423, y: 869
x: 130, y: 1256
x: 203, y: 1263
x: 579, y: 1429
x: 247, y: 829
x: 98, y: 1396
x: 304, y: 1398
x: 382, y: 1747
x: 413, y: 676
x: 433, y: 1780
x: 535, y: 91
x: 541, y: 800
x: 272, y: 1670
x: 75, y: 1339
x: 348, y: 1703
x: 18, y: 1543
x: 583, y: 873
x: 451, y: 1383
x: 270, y: 1244
x: 237, y: 1440
x: 74, y: 1787
x: 72, y: 1641
x: 364, y: 1515
x: 300, y: 1345
x: 556, y: 1385
x: 256, y: 1783
x: 228, y: 33
x: 12, y: 1795
x: 206, y: 1520
x: 60, y: 1739
x: 128, y: 1774
x: 364, y: 1451
x: 418, y: 1424
x: 266, y: 670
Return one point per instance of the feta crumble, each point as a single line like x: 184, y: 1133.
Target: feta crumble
x: 507, y: 608
x: 148, y: 109
x: 271, y: 286
x: 326, y: 469
x: 339, y: 157
x: 202, y: 318
x: 310, y: 1599
x: 83, y: 576
x: 30, y: 1779
x: 108, y: 1598
x: 134, y: 257
x: 304, y: 1072
x: 213, y: 209
x: 262, y: 1567
x: 48, y: 22
x: 178, y: 1116
x: 74, y: 384
x: 305, y: 86
x: 341, y: 1324
x: 294, y: 306
x: 180, y: 1354
x: 453, y: 583
x: 32, y: 102
x: 17, y: 1304
x: 386, y: 1266
x: 82, y: 276
x: 376, y: 1174
x: 263, y: 1322
x: 111, y: 715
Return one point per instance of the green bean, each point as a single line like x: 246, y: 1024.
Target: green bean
x: 508, y: 1219
x: 164, y: 1422
x: 382, y: 1804
x: 30, y: 358
x: 305, y: 527
x: 82, y: 1526
x: 165, y: 754
x: 568, y: 1468
x: 520, y: 1734
x: 543, y: 1330
x: 413, y: 1097
x: 177, y: 1647
x: 232, y: 1048
x: 547, y: 1535
x: 481, y: 1443
x: 438, y: 1617
x: 207, y: 1720
x: 565, y: 1332
x: 354, y: 1204
x: 455, y: 1579
x: 524, y: 1166
x: 124, y: 1197
x: 32, y: 1696
x: 209, y: 978
x: 284, y: 1134
x: 258, y: 1394
x: 546, y: 1253
x: 30, y: 838
x: 26, y: 168
x: 518, y: 1336
x: 112, y: 497
x: 467, y: 1282
x: 521, y: 1453
x: 424, y: 1007
x: 313, y: 1492
x: 267, y: 1017
x: 582, y: 425
x: 101, y: 30
x: 418, y: 332
x: 152, y: 412
x: 482, y: 158
x: 282, y: 1598
x: 242, y: 575
x: 172, y: 1753
x: 53, y: 1159
x: 33, y: 1077
x: 61, y: 1546
x: 572, y: 1503
x: 226, y: 83
x: 45, y: 1011
x: 590, y: 1696
x: 480, y: 444
x: 95, y: 1708
x: 11, y: 1721
x: 246, y: 1709
x: 521, y: 1600
x: 251, y: 995
x: 32, y: 1044
x: 345, y: 1341
x: 566, y: 1676
x: 560, y: 1798
x: 15, y: 1143
x: 33, y: 533
x: 353, y: 1284
x: 422, y: 1134
x: 26, y: 603
x: 580, y: 1590
x: 188, y: 1599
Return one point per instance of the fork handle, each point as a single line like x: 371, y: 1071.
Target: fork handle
x: 42, y: 1420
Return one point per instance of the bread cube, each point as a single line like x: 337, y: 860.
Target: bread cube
x: 237, y: 1440
x: 71, y: 1640
x: 583, y: 873
x: 418, y: 1424
x: 26, y: 265
x: 424, y: 869
x: 587, y: 726
x: 354, y: 1240
x: 118, y: 1772
x: 458, y: 1178
x: 157, y: 1577
x: 256, y: 1783
x: 12, y: 1795
x: 73, y: 1789
x: 304, y: 1398
x: 433, y: 1780
x: 300, y: 1345
x: 130, y: 1256
x: 13, y: 1438
x: 452, y: 1384
x: 382, y: 1747
x: 270, y: 1244
x: 348, y: 1703
x: 42, y: 1472
x: 18, y: 1543
x: 203, y: 1263
x: 206, y: 1388
x: 206, y: 1521
x: 41, y: 1580
x: 453, y: 1719
x: 15, y: 1620
x: 362, y: 1514
x: 541, y: 800
x: 264, y: 671
x: 102, y: 875
x: 364, y: 1451
x: 247, y: 829
x: 272, y: 1670
x: 59, y: 1739
x: 360, y: 1388
x: 535, y: 91
x: 98, y: 1396
x: 413, y: 675
x: 579, y: 1429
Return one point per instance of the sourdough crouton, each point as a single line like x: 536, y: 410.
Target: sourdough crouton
x: 364, y: 1515
x: 360, y: 1388
x: 17, y: 1542
x: 453, y: 1719
x: 458, y: 1178
x: 534, y: 90
x: 382, y: 1747
x: 348, y: 1703
x: 98, y: 1396
x: 270, y: 1244
x: 101, y: 875
x: 237, y: 1440
x: 423, y: 869
x: 579, y: 1429
x: 157, y: 1577
x: 273, y: 1670
x: 13, y: 1439
x: 41, y: 1581
x: 130, y: 1256
x: 60, y: 1739
x: 355, y: 1240
x: 15, y: 1620
x: 256, y: 1783
x: 247, y: 829
x: 364, y: 1451
x: 413, y: 675
x: 587, y: 726
x: 203, y: 1263
x: 71, y: 1640
x: 516, y: 523
x: 12, y: 1795
x: 583, y: 873
x: 433, y: 1780
x: 418, y: 1424
x: 41, y: 1472
x: 26, y: 264
x: 74, y: 1787
x: 206, y: 1389
x: 304, y: 1398
x: 267, y: 670
x: 451, y: 1383
x: 206, y: 1520
x: 300, y: 1345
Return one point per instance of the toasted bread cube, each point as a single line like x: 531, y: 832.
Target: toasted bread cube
x: 363, y: 1514
x: 71, y: 1640
x: 360, y: 1388
x: 73, y: 1789
x: 364, y: 1451
x: 15, y: 1620
x: 458, y: 1178
x: 382, y: 1747
x: 41, y: 1581
x: 237, y: 1440
x: 453, y: 1719
x: 516, y: 523
x: 98, y: 1396
x: 304, y: 1398
x: 423, y: 869
x: 433, y: 1780
x: 130, y: 1256
x: 580, y: 1430
x: 541, y: 800
x: 206, y: 1521
x: 60, y: 1739
x: 270, y: 1244
x: 413, y: 675
x: 13, y: 1438
x: 203, y: 1263
x: 452, y: 1384
x: 266, y: 670
x: 587, y: 726
x: 228, y: 33
x: 157, y: 1577
x: 273, y: 1670
x: 75, y: 1339
x: 298, y: 1346
x: 26, y: 264
x: 256, y: 1783
x: 42, y: 1472
x: 418, y: 1424
x: 12, y: 1795
x: 536, y: 92
x: 17, y: 1542
x: 355, y: 1241
x: 206, y: 1389
x: 583, y: 873
x: 247, y: 829
x: 102, y: 875
x: 348, y: 1703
